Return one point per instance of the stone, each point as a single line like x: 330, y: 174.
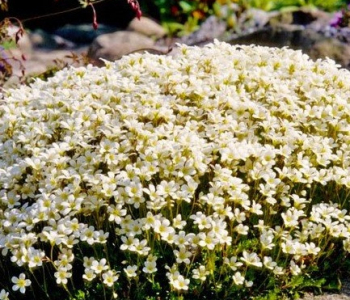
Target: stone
x: 314, y: 19
x: 83, y: 33
x: 257, y: 17
x: 277, y: 36
x: 332, y: 48
x: 44, y: 40
x: 40, y: 61
x: 321, y: 20
x: 113, y: 46
x: 212, y: 28
x: 147, y: 27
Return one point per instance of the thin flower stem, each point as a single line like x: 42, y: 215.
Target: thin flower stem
x: 39, y: 285
x: 57, y: 13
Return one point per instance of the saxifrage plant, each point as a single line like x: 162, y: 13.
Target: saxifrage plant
x: 221, y: 172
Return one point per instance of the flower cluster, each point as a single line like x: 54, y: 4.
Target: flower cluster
x: 208, y: 171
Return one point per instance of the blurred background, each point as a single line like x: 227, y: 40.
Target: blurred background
x: 39, y: 37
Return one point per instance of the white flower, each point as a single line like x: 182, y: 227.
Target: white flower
x: 99, y: 266
x: 89, y: 274
x: 180, y: 283
x: 269, y: 263
x: 346, y: 245
x: 109, y: 278
x: 291, y: 217
x: 232, y: 262
x: 148, y: 221
x: 238, y: 278
x: 181, y: 239
x: 116, y: 212
x: 88, y: 235
x: 186, y: 153
x: 294, y: 268
x: 311, y: 248
x: 200, y: 273
x: 4, y: 295
x: 150, y: 267
x: 163, y: 227
x: 289, y: 247
x: 256, y: 208
x: 20, y: 283
x: 88, y: 261
x: 266, y: 239
x: 201, y: 220
x: 131, y: 271
x: 128, y: 242
x: 35, y: 257
x: 278, y: 271
x: 182, y: 255
x: 62, y: 275
x: 242, y: 229
x: 251, y: 259
x: 208, y: 240
x: 178, y: 222
x: 249, y: 283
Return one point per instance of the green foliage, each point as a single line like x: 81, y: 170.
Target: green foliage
x: 327, y: 5
x: 261, y: 4
x: 79, y: 295
x: 183, y: 17
x: 7, y: 45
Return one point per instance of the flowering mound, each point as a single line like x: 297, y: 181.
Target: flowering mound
x: 223, y: 172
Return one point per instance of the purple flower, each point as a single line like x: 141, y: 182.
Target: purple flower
x: 336, y: 20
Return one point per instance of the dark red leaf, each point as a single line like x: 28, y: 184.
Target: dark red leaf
x: 138, y: 14
x: 94, y: 18
x: 19, y: 34
x: 136, y: 7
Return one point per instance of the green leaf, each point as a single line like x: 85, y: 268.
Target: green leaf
x: 333, y: 285
x: 296, y: 281
x: 185, y: 6
x: 173, y: 26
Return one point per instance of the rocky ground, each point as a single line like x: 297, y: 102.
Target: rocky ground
x: 302, y: 29
x: 344, y: 295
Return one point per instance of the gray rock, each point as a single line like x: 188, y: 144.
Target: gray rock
x: 147, y: 27
x: 301, y: 16
x: 212, y: 28
x: 83, y: 33
x: 40, y: 61
x: 293, y: 36
x: 332, y: 48
x: 113, y: 46
x: 44, y: 40
x: 257, y: 18
x: 342, y: 34
x: 322, y: 20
